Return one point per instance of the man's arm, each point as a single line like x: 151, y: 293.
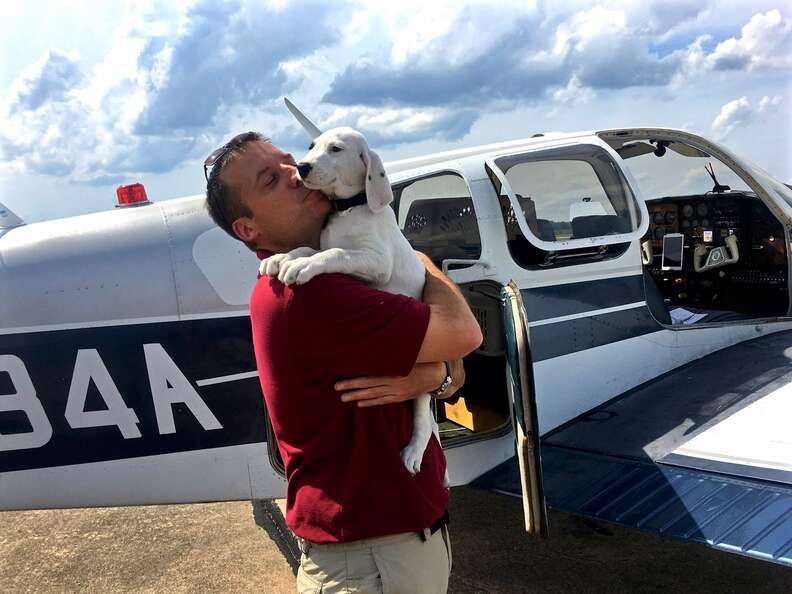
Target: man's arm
x: 453, y: 331
x: 424, y: 377
x: 457, y: 377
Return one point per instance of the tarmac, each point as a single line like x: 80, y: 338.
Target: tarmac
x: 218, y: 547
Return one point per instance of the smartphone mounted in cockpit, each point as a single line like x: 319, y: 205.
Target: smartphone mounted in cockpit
x: 672, y: 251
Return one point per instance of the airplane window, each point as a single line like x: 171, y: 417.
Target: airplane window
x: 437, y: 217
x: 571, y: 193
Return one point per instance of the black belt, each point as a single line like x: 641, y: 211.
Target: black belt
x: 439, y: 523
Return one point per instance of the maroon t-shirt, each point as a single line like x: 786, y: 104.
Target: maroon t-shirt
x: 346, y: 480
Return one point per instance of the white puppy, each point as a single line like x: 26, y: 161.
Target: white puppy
x: 363, y: 241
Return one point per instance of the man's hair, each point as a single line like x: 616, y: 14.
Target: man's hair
x: 224, y: 201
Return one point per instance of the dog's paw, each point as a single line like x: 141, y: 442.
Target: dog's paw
x: 412, y: 457
x: 298, y: 271
x: 271, y: 266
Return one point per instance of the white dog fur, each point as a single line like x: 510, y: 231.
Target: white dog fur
x: 363, y: 241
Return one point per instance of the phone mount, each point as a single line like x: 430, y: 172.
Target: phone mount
x: 706, y: 259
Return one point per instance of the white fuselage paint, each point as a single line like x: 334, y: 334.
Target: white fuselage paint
x: 237, y: 473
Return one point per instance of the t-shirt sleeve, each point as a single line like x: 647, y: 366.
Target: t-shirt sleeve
x: 344, y: 328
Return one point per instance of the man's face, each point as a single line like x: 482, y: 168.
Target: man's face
x: 285, y: 214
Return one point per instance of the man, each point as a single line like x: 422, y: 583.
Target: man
x: 365, y: 524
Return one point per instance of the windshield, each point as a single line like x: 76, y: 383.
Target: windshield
x: 677, y: 175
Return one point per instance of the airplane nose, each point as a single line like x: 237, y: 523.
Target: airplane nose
x: 304, y: 169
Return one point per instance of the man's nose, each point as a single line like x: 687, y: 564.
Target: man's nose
x: 304, y: 169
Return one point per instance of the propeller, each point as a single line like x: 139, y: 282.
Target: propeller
x: 307, y: 124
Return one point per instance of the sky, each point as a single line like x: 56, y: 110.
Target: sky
x: 98, y: 94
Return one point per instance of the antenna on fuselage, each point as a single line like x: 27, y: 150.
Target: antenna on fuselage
x: 307, y: 124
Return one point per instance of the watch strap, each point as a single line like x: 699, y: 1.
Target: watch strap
x: 447, y: 381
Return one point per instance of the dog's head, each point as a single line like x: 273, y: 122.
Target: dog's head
x: 340, y: 164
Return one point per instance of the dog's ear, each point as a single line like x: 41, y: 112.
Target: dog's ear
x: 378, y: 188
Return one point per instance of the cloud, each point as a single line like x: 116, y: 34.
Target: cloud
x: 764, y: 42
x: 740, y: 112
x: 470, y: 58
x: 393, y: 126
x: 476, y: 57
x: 181, y: 77
x: 49, y: 79
x: 166, y: 90
x: 227, y: 54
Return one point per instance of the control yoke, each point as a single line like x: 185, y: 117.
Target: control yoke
x: 705, y: 259
x: 647, y: 253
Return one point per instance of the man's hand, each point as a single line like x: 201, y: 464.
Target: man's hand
x: 424, y: 377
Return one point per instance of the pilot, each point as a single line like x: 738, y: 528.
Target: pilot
x: 339, y: 363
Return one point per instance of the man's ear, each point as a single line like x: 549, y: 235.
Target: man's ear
x: 244, y: 230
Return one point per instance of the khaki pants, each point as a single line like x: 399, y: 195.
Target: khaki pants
x: 397, y: 564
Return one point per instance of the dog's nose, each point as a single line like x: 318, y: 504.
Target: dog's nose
x: 304, y: 169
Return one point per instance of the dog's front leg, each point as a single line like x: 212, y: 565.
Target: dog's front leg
x: 271, y: 266
x: 368, y: 265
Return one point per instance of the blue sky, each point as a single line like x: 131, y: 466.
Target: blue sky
x: 95, y: 95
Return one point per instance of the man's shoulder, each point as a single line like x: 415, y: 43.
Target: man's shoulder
x: 328, y: 290
x: 271, y: 291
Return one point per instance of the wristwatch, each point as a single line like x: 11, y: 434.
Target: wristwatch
x: 440, y: 392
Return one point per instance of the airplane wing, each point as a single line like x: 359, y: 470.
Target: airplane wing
x: 702, y: 453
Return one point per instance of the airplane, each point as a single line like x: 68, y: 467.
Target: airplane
x: 635, y: 366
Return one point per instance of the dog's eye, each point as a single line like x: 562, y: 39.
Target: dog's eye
x: 336, y: 149
x: 310, y: 146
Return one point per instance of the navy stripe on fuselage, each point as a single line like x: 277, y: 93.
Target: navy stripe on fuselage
x: 555, y: 301
x: 562, y: 338
x: 219, y: 350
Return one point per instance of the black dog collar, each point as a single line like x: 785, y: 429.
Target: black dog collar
x: 341, y: 204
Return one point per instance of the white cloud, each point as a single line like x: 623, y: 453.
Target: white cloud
x: 50, y: 79
x: 765, y: 42
x: 740, y: 112
x: 181, y: 76
x: 573, y: 93
x: 173, y: 74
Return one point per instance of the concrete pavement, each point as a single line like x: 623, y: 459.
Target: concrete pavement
x: 218, y: 547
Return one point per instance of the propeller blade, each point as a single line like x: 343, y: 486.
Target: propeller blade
x: 307, y: 124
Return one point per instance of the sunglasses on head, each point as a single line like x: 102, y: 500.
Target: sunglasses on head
x: 219, y: 153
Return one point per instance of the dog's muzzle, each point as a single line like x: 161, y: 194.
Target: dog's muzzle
x: 304, y: 169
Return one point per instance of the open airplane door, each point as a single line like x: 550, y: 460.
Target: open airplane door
x: 518, y: 356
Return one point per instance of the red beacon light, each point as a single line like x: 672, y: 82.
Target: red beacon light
x: 131, y: 195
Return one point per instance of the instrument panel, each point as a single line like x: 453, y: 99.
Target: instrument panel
x: 663, y: 219
x: 702, y: 220
x: 709, y: 221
